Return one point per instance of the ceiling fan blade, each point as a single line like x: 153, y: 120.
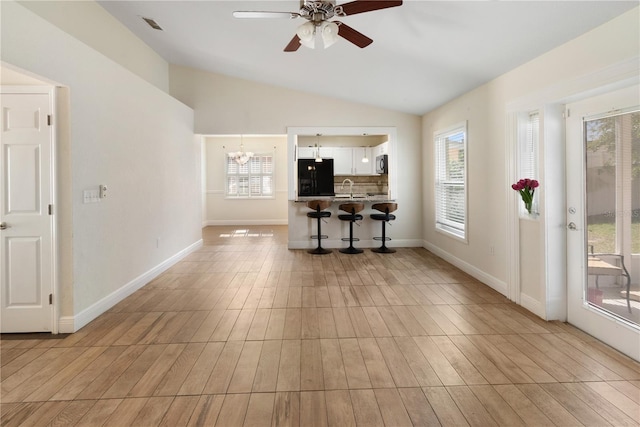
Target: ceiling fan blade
x: 293, y: 45
x: 256, y: 14
x: 360, y: 6
x: 353, y: 36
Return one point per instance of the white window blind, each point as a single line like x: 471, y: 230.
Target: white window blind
x: 528, y: 140
x: 450, y: 181
x: 253, y: 179
x: 529, y: 148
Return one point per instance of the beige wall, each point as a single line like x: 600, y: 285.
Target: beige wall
x: 229, y: 211
x: 229, y: 106
x: 88, y: 21
x: 118, y: 130
x: 125, y: 132
x: 585, y: 64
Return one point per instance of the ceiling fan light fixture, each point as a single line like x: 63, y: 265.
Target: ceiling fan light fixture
x: 306, y: 33
x: 318, y: 13
x: 329, y: 31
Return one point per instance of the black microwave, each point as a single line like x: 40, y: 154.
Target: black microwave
x: 382, y: 164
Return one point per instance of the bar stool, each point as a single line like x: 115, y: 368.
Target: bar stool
x: 319, y: 212
x: 385, y: 217
x: 352, y: 216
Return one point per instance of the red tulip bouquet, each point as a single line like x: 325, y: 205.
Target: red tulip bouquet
x: 526, y: 187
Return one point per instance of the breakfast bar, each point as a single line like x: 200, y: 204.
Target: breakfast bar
x: 338, y: 190
x: 302, y: 227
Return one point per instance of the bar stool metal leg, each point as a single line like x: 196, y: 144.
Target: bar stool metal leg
x: 383, y: 249
x: 385, y: 216
x: 318, y: 212
x: 352, y: 216
x: 319, y: 250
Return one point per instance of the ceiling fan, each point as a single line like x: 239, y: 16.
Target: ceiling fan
x: 318, y: 15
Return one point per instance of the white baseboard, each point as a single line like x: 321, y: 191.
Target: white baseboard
x: 246, y: 222
x: 69, y: 324
x: 66, y: 325
x: 365, y: 244
x: 473, y: 271
x: 533, y: 305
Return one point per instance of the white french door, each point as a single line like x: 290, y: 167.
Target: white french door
x: 603, y: 202
x: 26, y: 222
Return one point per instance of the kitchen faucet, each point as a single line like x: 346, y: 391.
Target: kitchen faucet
x: 350, y: 186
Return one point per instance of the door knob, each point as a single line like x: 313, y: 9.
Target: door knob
x: 3, y: 226
x: 572, y: 226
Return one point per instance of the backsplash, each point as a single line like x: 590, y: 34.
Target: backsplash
x: 376, y: 184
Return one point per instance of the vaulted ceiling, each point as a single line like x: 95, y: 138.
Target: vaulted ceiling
x: 424, y: 53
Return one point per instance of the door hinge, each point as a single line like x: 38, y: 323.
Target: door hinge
x: 566, y: 114
x: 50, y: 299
x: 48, y: 119
x: 50, y: 209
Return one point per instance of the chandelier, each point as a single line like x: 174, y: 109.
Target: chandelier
x: 241, y: 157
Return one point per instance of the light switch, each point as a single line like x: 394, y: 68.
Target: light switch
x: 91, y: 196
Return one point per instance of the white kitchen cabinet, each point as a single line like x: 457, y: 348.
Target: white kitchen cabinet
x: 342, y: 161
x: 326, y: 152
x: 310, y: 152
x: 359, y: 167
x: 381, y: 149
x: 348, y: 161
x: 306, y: 152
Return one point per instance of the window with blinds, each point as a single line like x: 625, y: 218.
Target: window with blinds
x: 529, y: 124
x: 529, y: 148
x: 253, y: 179
x: 451, y: 180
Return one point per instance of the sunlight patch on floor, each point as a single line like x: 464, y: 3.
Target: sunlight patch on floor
x: 247, y: 233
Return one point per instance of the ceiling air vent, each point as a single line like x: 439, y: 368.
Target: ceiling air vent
x: 153, y: 24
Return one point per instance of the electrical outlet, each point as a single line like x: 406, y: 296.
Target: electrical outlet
x: 103, y: 191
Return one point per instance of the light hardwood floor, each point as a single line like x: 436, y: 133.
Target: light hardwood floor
x: 246, y: 332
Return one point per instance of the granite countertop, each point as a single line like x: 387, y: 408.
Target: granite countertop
x: 338, y: 198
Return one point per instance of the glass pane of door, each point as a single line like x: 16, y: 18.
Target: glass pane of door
x: 612, y: 149
x: 602, y: 217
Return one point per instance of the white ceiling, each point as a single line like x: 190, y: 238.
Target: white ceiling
x: 424, y: 53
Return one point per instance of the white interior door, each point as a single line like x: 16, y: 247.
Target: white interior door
x: 603, y: 139
x: 26, y: 245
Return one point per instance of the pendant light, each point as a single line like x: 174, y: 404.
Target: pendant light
x: 318, y: 157
x: 365, y: 159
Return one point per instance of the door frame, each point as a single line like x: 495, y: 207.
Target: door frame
x: 51, y: 92
x: 591, y: 318
x: 550, y: 101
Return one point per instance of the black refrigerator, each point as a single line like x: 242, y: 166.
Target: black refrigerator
x: 315, y: 178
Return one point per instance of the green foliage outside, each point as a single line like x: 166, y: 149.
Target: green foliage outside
x: 602, y: 235
x: 601, y: 136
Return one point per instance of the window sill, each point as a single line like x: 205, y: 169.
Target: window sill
x: 529, y: 216
x: 456, y: 235
x: 249, y: 197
